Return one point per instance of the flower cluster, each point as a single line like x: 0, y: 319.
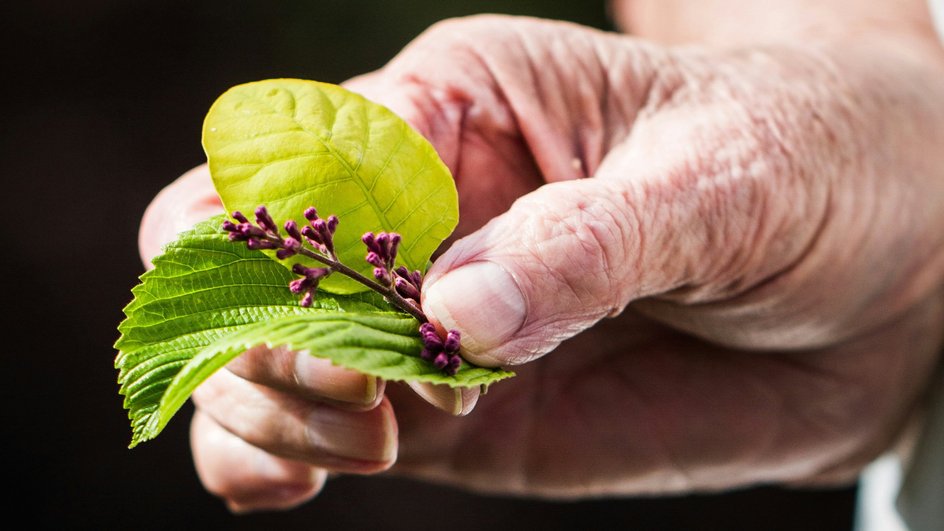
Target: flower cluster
x: 382, y: 254
x: 256, y: 236
x: 264, y: 234
x: 307, y: 285
x: 397, y: 284
x: 444, y: 354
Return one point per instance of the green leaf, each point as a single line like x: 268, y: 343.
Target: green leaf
x: 379, y: 344
x: 208, y: 299
x: 289, y: 144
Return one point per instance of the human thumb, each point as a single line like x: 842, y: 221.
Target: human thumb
x: 559, y: 260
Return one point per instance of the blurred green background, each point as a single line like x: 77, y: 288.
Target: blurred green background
x: 103, y: 104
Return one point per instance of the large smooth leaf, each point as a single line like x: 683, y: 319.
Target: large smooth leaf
x: 289, y: 144
x: 208, y: 299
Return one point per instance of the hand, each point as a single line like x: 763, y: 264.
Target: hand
x: 747, y: 290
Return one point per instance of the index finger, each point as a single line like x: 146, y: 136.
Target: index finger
x: 191, y: 198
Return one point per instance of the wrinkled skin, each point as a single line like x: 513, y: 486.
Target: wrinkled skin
x: 730, y: 265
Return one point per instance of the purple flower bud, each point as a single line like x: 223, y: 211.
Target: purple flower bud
x: 299, y: 285
x: 413, y: 279
x: 373, y: 259
x: 332, y: 223
x: 383, y: 241
x: 370, y: 241
x: 308, y: 299
x: 381, y: 275
x: 311, y: 214
x: 316, y: 273
x: 311, y: 273
x: 445, y: 356
x: 237, y: 237
x: 406, y: 289
x: 229, y: 226
x: 393, y: 245
x: 282, y: 254
x: 290, y: 247
x: 238, y: 216
x: 292, y: 244
x: 431, y: 341
x: 451, y: 344
x: 264, y: 220
x: 292, y: 229
x: 251, y: 231
x: 312, y: 236
x: 455, y: 361
x: 321, y: 227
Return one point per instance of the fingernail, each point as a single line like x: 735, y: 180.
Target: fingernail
x: 321, y: 377
x: 482, y: 301
x: 458, y: 401
x: 371, y: 388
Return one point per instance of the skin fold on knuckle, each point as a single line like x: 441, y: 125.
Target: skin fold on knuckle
x: 519, y: 77
x: 247, y: 411
x: 843, y: 196
x: 756, y: 186
x: 769, y: 172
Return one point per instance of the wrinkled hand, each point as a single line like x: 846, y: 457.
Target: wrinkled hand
x: 711, y: 269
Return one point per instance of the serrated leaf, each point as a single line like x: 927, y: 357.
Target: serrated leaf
x: 208, y: 298
x: 378, y: 344
x: 290, y: 143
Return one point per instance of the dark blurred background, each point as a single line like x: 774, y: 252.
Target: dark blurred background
x: 102, y: 106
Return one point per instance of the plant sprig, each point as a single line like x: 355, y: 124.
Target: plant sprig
x: 315, y: 240
x: 399, y: 286
x: 213, y: 293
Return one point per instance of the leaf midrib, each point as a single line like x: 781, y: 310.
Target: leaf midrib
x: 354, y: 175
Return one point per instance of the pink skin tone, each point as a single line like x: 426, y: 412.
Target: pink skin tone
x: 747, y: 288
